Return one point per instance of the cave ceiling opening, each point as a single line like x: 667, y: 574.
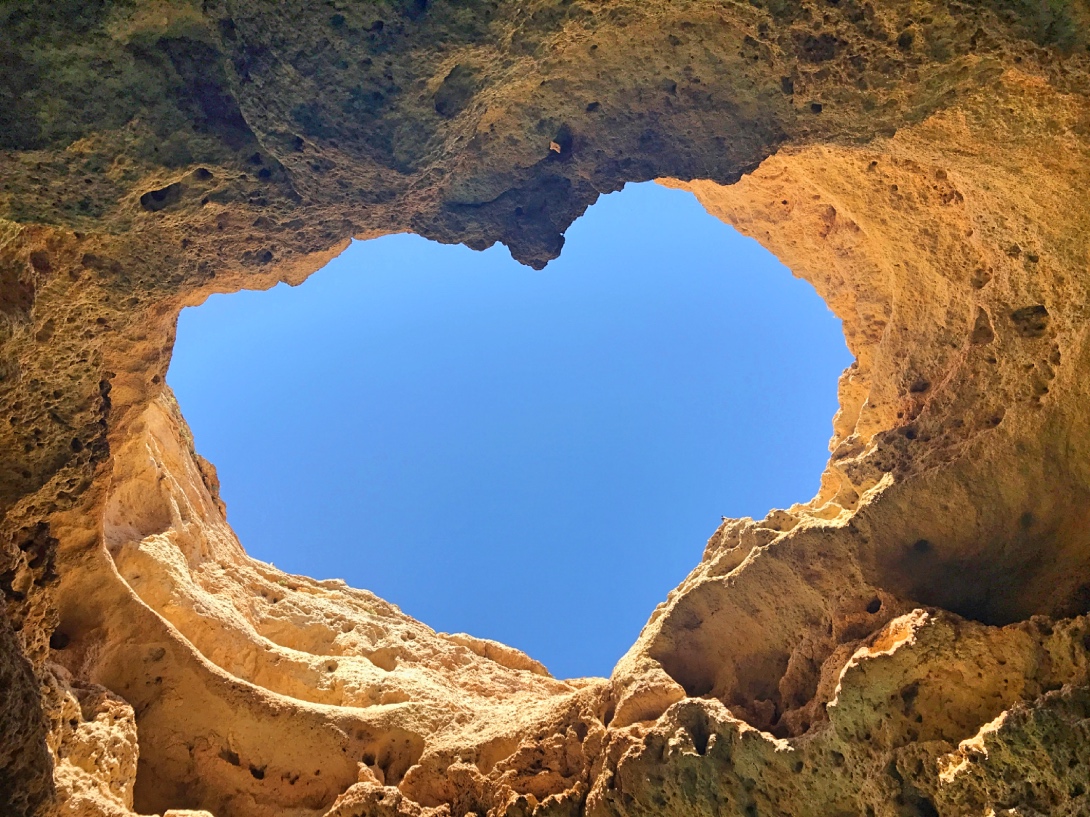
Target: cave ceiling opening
x: 912, y: 642
x: 435, y: 424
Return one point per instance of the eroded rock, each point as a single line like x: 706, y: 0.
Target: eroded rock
x: 911, y: 642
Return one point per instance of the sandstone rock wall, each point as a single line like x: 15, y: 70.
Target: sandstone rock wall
x: 913, y: 641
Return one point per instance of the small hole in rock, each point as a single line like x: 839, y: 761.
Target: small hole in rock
x: 40, y: 261
x: 160, y: 199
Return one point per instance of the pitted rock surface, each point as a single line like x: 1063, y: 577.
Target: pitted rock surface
x: 911, y: 642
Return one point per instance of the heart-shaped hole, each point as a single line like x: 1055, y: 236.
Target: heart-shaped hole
x: 533, y: 457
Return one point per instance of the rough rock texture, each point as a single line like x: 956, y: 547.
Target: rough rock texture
x: 913, y: 642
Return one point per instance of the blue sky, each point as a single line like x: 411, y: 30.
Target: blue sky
x: 534, y: 457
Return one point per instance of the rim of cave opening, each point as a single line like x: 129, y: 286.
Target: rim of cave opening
x: 492, y: 448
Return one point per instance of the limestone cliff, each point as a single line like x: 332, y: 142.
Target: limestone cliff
x: 912, y: 642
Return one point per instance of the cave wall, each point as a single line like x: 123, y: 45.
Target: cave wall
x: 913, y: 641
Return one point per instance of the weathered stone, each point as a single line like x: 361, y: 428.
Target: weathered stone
x: 913, y: 641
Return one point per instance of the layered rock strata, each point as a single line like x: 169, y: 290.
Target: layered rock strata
x: 912, y: 642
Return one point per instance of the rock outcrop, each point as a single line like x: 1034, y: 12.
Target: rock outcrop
x: 912, y: 642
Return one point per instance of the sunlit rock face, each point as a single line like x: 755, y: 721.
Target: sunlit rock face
x: 911, y: 642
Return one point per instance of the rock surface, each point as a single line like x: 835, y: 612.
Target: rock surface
x: 912, y: 642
